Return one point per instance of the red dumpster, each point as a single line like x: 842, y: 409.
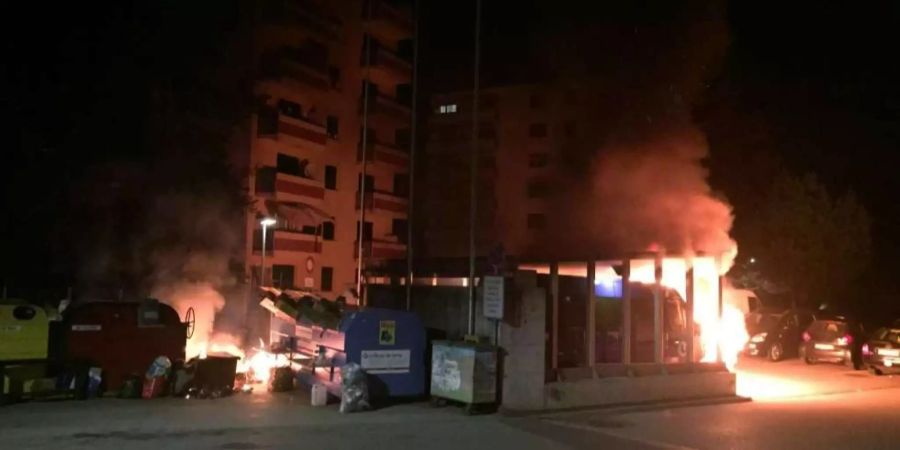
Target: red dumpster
x: 123, y: 338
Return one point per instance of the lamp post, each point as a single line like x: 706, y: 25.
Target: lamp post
x: 265, y: 222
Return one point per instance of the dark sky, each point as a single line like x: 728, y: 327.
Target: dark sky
x: 814, y: 83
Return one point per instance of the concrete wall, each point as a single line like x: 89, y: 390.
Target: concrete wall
x: 524, y: 345
x: 628, y: 390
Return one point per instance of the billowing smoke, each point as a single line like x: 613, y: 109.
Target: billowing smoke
x: 656, y: 194
x: 203, y: 300
x: 191, y: 266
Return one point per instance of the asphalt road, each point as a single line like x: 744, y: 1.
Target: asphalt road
x: 834, y: 410
x: 763, y: 380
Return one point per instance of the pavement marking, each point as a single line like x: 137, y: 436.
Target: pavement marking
x: 592, y: 429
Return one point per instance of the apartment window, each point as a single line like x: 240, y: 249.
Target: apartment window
x: 367, y: 231
x: 288, y: 164
x: 327, y: 278
x: 334, y: 77
x: 370, y: 183
x: 331, y: 126
x: 327, y: 231
x: 536, y: 221
x: 569, y: 128
x: 401, y: 185
x: 536, y: 101
x: 402, y: 138
x: 405, y: 48
x: 449, y: 108
x: 537, y: 130
x: 331, y: 178
x: 404, y: 94
x: 538, y: 189
x: 283, y: 276
x: 257, y: 241
x: 290, y: 109
x: 398, y: 228
x: 538, y: 160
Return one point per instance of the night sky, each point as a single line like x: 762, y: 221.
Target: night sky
x: 814, y: 85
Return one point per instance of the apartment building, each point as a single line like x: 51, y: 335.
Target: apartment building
x: 523, y: 133
x: 315, y: 59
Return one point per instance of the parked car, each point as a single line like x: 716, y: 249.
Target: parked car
x: 882, y: 351
x: 778, y: 335
x: 835, y: 339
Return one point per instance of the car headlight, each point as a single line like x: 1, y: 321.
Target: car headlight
x: 758, y: 337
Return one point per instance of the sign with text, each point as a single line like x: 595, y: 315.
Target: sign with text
x: 385, y: 361
x: 493, y: 297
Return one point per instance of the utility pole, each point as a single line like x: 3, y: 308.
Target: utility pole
x: 412, y: 161
x: 367, y: 47
x: 473, y: 171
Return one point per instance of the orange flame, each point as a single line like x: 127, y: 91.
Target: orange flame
x: 721, y: 334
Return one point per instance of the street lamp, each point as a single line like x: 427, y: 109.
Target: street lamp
x: 265, y: 222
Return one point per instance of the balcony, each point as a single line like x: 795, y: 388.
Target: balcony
x: 387, y: 21
x: 385, y: 66
x: 307, y: 67
x: 284, y: 187
x: 381, y: 153
x: 380, y: 249
x: 384, y: 202
x: 300, y: 132
x: 295, y: 242
x: 383, y: 105
x: 302, y: 15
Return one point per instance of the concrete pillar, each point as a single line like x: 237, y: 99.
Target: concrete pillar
x: 626, y: 311
x: 658, y: 332
x: 554, y: 323
x: 689, y: 292
x: 719, y: 316
x: 591, y: 319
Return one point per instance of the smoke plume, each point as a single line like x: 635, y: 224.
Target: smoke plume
x: 656, y: 194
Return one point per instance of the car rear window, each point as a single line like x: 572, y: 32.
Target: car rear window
x: 887, y: 334
x: 827, y: 329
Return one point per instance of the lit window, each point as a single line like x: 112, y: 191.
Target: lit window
x: 447, y: 109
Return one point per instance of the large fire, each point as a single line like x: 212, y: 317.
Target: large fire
x: 722, y: 336
x: 258, y: 363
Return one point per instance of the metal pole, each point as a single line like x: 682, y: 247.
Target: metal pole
x: 689, y: 291
x: 554, y: 332
x: 626, y: 311
x: 473, y: 170
x: 658, y: 335
x: 412, y: 161
x: 719, y: 319
x: 591, y: 319
x: 364, y: 157
x: 262, y: 268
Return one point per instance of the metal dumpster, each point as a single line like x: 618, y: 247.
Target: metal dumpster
x: 123, y: 338
x: 464, y: 372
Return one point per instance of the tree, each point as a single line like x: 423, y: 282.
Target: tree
x: 807, y: 243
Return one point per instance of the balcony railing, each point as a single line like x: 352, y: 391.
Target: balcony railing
x: 387, y: 20
x: 299, y: 131
x: 381, y: 153
x: 295, y: 242
x: 384, y: 201
x: 385, y: 63
x: 287, y: 187
x: 384, y: 105
x: 380, y: 249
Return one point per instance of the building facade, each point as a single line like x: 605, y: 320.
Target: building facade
x: 315, y: 60
x: 524, y: 133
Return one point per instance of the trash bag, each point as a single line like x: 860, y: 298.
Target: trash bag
x: 354, y: 389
